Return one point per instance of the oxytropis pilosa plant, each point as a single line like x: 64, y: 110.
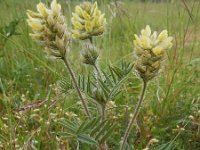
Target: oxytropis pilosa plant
x: 49, y: 28
x: 150, y: 52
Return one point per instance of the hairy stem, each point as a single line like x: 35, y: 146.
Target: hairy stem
x: 91, y: 40
x: 128, y: 129
x: 103, y: 112
x: 103, y: 106
x: 97, y: 70
x: 103, y: 117
x: 73, y: 77
x: 103, y: 146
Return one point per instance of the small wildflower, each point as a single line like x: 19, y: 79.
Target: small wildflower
x: 110, y: 112
x: 36, y: 110
x: 4, y: 118
x: 5, y: 126
x: 178, y: 129
x: 35, y: 116
x: 49, y: 29
x: 47, y: 123
x: 111, y: 104
x: 150, y: 143
x: 131, y: 115
x: 23, y: 98
x: 191, y: 117
x: 18, y: 117
x: 70, y: 115
x: 182, y: 129
x: 78, y: 103
x: 150, y: 50
x: 52, y: 115
x: 87, y: 21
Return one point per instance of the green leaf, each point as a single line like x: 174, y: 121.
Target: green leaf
x: 97, y: 128
x: 115, y: 88
x: 84, y: 138
x: 66, y: 135
x: 88, y: 131
x: 195, y: 61
x: 64, y: 86
x: 2, y: 138
x: 69, y: 125
x: 92, y: 123
x: 118, y: 72
x: 103, y: 130
x: 81, y: 127
x: 166, y: 146
x: 112, y: 74
x: 88, y: 85
x: 108, y: 85
x: 104, y: 86
x: 9, y: 30
x: 108, y: 134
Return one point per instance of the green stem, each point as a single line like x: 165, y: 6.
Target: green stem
x: 103, y: 112
x: 97, y: 70
x: 91, y: 40
x: 128, y: 129
x: 103, y: 106
x: 73, y: 77
x: 103, y: 117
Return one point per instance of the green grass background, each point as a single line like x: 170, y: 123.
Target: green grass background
x: 171, y: 98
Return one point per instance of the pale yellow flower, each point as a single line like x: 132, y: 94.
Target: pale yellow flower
x: 55, y: 7
x: 150, y: 50
x: 43, y: 11
x: 157, y: 51
x: 49, y: 29
x: 87, y: 21
x: 35, y: 24
x: 153, y: 42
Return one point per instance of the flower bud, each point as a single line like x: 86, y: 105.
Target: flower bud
x: 89, y: 54
x: 99, y: 96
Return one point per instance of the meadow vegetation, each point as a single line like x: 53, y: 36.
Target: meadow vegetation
x: 40, y: 109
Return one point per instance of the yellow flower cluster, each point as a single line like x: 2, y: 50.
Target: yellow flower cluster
x: 87, y: 21
x: 156, y: 43
x: 49, y: 28
x: 150, y: 50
